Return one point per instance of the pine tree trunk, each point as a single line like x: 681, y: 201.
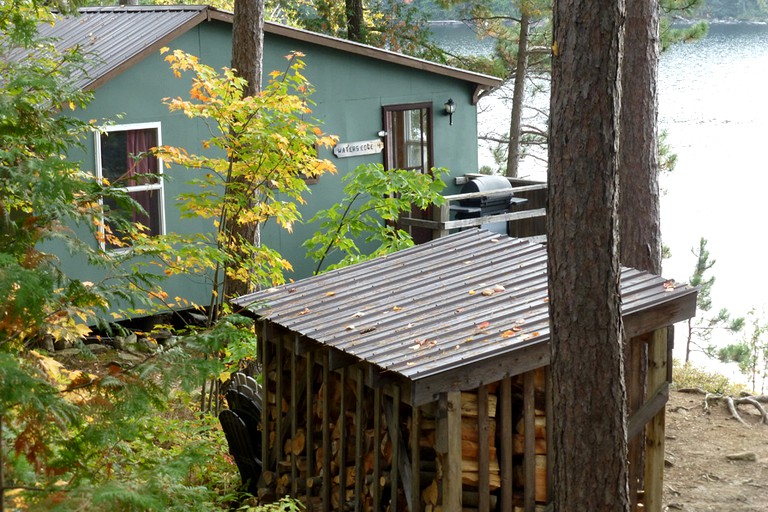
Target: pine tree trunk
x: 247, y: 57
x: 639, y: 209
x: 518, y: 96
x: 590, y: 446
x: 354, y: 9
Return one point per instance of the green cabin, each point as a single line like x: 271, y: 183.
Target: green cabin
x: 372, y: 99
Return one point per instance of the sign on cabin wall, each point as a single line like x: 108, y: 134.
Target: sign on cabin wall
x: 363, y: 147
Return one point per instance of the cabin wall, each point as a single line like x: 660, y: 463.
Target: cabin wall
x: 350, y: 93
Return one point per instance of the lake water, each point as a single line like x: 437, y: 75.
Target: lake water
x: 713, y: 104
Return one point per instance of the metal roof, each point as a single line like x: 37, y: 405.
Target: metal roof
x: 449, y: 305
x: 119, y: 36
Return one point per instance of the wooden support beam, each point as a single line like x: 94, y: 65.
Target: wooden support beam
x: 654, y: 435
x: 504, y: 416
x: 415, y: 487
x: 278, y: 444
x: 529, y: 457
x: 264, y: 344
x: 309, y: 415
x: 377, y: 395
x: 359, y: 435
x: 550, y: 432
x: 483, y: 462
x: 342, y: 424
x: 294, y: 413
x: 326, y: 486
x: 449, y: 449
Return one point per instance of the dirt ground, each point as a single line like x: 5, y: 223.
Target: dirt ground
x: 699, y: 475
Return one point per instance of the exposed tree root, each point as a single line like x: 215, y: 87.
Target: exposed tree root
x: 733, y: 403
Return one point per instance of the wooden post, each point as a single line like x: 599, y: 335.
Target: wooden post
x: 327, y: 478
x: 415, y: 489
x: 342, y: 423
x: 359, y: 434
x: 310, y: 420
x: 529, y: 457
x: 654, y: 432
x: 278, y: 446
x: 449, y: 449
x: 294, y: 414
x: 377, y: 395
x: 634, y: 371
x: 504, y: 416
x: 483, y: 459
x: 442, y: 214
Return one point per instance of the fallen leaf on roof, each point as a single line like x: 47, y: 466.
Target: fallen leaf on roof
x: 396, y: 308
x: 305, y: 311
x: 488, y: 292
x: 330, y: 294
x: 509, y: 333
x: 350, y: 327
x: 483, y: 325
x: 498, y: 288
x: 367, y: 329
x: 669, y: 285
x: 358, y: 314
x: 468, y: 340
x: 409, y: 363
x: 472, y: 292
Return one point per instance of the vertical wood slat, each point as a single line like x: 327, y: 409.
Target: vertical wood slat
x: 309, y: 446
x: 633, y: 370
x: 504, y: 417
x: 654, y: 433
x: 394, y: 437
x: 278, y: 403
x: 529, y: 456
x: 483, y: 459
x: 265, y: 401
x: 377, y: 448
x: 415, y: 489
x: 342, y: 440
x: 326, y: 486
x: 449, y: 449
x: 359, y: 434
x: 294, y: 419
x: 549, y: 411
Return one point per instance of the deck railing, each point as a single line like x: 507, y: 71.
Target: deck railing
x: 526, y: 220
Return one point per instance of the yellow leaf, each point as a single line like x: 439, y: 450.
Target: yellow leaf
x: 164, y: 49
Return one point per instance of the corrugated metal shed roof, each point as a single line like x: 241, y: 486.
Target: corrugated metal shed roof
x: 448, y: 305
x: 119, y: 36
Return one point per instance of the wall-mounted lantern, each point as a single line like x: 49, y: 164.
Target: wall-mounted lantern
x: 450, y: 108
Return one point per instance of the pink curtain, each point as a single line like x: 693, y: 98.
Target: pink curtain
x: 140, y: 141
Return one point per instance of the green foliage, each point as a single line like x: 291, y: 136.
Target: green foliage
x: 702, y: 327
x: 750, y: 353
x: 687, y: 375
x: 372, y: 195
x: 261, y: 150
x: 122, y: 435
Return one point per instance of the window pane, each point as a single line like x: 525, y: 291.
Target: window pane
x: 119, y: 151
x: 121, y: 168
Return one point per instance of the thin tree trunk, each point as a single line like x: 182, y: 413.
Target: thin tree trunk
x: 247, y: 57
x: 639, y: 209
x: 518, y: 96
x: 355, y: 24
x: 589, y: 392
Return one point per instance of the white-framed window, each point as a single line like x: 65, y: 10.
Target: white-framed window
x: 117, y: 150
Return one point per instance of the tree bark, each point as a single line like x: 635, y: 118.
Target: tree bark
x: 354, y: 10
x: 589, y: 393
x: 639, y: 209
x: 518, y: 96
x: 248, y: 42
x: 247, y: 57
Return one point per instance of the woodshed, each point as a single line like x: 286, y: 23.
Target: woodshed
x: 419, y: 381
